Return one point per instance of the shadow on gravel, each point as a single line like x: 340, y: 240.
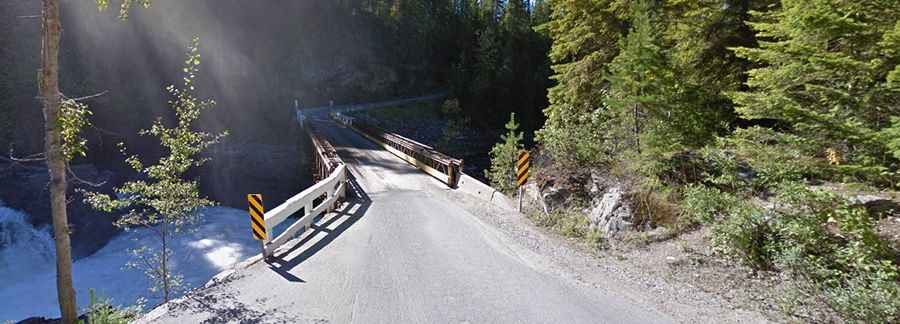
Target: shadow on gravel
x: 225, y: 308
x: 282, y: 263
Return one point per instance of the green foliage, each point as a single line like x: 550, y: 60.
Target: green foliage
x: 502, y: 66
x: 502, y: 173
x: 871, y: 296
x: 697, y: 36
x: 124, y: 7
x: 706, y: 205
x: 816, y: 236
x: 639, y: 95
x: 832, y: 243
x: 457, y: 124
x: 748, y: 236
x: 759, y: 158
x: 101, y: 311
x: 823, y: 71
x: 486, y: 51
x: 642, y: 112
x: 570, y: 224
x: 163, y: 199
x: 892, y: 137
x: 584, y: 35
x: 73, y: 118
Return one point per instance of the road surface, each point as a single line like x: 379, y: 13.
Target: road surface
x: 402, y: 251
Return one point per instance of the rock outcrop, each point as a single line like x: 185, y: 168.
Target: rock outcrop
x: 610, y: 213
x: 609, y: 210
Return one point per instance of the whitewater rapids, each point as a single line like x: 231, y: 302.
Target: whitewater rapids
x: 27, y: 262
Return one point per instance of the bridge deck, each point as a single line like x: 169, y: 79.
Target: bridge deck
x: 404, y: 250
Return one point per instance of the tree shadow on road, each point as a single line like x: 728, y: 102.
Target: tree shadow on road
x: 348, y: 214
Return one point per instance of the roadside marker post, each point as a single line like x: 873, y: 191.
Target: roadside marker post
x: 523, y: 162
x: 257, y: 219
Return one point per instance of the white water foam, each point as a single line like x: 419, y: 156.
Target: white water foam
x: 28, y: 276
x: 24, y: 250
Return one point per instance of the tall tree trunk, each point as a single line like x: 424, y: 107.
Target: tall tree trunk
x: 636, y: 130
x: 164, y: 269
x: 56, y: 164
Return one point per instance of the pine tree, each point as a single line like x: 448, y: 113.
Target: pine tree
x: 503, y: 155
x: 824, y: 72
x: 584, y: 35
x: 698, y: 36
x: 641, y: 85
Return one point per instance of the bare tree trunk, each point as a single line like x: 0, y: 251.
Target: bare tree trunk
x: 636, y: 130
x: 56, y: 164
x: 637, y: 122
x: 164, y: 269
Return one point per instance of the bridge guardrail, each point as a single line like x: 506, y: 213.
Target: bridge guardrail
x: 437, y: 164
x: 328, y: 191
x: 326, y: 158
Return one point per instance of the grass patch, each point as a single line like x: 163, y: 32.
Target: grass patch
x: 572, y: 224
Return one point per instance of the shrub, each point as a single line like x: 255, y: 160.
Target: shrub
x: 652, y: 208
x: 101, y: 311
x: 748, y: 236
x: 871, y: 296
x: 705, y: 205
x: 681, y: 169
x: 569, y: 223
x: 759, y: 158
x: 816, y: 236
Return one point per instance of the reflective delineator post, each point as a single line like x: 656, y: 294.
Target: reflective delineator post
x: 522, y: 165
x: 258, y: 220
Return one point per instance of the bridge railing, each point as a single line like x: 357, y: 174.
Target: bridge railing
x: 326, y: 158
x: 328, y: 191
x: 437, y: 164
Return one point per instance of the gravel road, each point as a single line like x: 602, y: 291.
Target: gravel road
x: 406, y: 249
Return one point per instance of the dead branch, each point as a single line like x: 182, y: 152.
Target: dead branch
x: 77, y: 179
x: 36, y: 157
x: 87, y: 97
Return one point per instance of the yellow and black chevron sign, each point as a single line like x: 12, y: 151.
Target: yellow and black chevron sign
x: 257, y: 217
x: 522, y: 164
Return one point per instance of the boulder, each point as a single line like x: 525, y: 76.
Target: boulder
x: 878, y: 206
x: 610, y: 213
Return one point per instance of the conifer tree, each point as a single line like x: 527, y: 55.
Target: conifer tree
x: 584, y: 35
x: 824, y: 72
x: 641, y: 84
x: 503, y: 155
x: 698, y: 36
